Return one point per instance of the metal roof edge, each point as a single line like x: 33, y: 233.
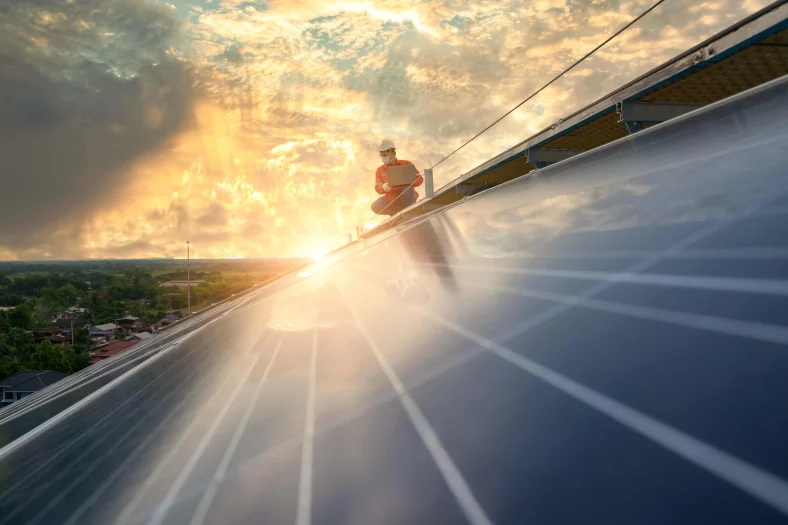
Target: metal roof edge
x: 770, y: 19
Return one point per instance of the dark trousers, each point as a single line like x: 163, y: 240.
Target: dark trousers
x: 383, y: 206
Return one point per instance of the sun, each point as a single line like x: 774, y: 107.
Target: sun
x: 318, y: 254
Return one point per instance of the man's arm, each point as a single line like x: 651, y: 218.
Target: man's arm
x: 419, y: 179
x: 380, y: 186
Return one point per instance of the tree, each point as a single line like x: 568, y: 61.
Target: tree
x: 82, y: 336
x: 9, y: 365
x: 21, y: 317
x: 68, y: 294
x: 50, y: 357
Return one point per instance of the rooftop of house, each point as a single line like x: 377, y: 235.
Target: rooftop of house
x: 52, y: 330
x: 141, y: 336
x: 30, y: 380
x: 66, y: 323
x: 111, y: 349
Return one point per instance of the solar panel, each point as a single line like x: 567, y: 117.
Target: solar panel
x: 605, y: 344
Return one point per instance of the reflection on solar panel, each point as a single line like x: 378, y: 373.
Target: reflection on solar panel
x: 605, y: 345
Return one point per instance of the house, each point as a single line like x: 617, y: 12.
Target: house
x: 142, y: 336
x: 168, y: 319
x: 129, y: 322
x: 66, y: 324
x: 46, y: 333
x: 65, y: 315
x: 108, y: 350
x: 25, y: 383
x: 56, y: 340
x: 101, y: 336
x: 107, y: 327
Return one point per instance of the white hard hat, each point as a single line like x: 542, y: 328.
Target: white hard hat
x: 386, y: 145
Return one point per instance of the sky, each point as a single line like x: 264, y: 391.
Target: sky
x: 250, y: 128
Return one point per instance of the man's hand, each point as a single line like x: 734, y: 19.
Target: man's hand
x: 386, y: 187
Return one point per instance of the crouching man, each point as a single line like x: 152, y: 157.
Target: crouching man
x: 394, y: 199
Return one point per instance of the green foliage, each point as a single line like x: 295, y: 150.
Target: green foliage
x: 47, y: 356
x: 107, y: 290
x: 21, y: 317
x: 82, y: 336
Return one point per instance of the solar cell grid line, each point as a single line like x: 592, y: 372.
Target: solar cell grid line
x: 755, y: 482
x: 50, y: 396
x: 304, y: 509
x: 29, y: 497
x: 66, y: 444
x: 161, y: 511
x: 449, y: 471
x: 717, y: 284
x: 722, y: 325
x: 140, y: 492
x: 644, y: 264
x: 13, y: 416
x: 711, y: 253
x: 210, y: 492
x: 39, y: 467
x: 96, y: 495
x: 150, y: 414
x: 364, y: 409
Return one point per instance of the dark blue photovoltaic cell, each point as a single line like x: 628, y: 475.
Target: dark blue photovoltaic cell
x: 613, y: 352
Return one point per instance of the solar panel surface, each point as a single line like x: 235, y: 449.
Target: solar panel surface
x: 595, y: 345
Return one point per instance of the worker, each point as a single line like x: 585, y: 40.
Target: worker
x: 398, y: 198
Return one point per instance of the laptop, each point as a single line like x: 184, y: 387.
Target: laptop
x: 401, y: 175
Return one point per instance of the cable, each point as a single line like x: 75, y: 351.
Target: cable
x: 532, y: 95
x: 565, y: 71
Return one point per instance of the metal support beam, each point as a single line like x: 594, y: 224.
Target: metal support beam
x: 635, y: 114
x: 469, y: 189
x: 540, y: 157
x: 429, y: 188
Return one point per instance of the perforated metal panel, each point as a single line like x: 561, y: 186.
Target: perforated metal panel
x: 750, y: 67
x: 593, y: 134
x: 506, y: 172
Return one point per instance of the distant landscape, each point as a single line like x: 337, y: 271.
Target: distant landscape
x: 37, y: 296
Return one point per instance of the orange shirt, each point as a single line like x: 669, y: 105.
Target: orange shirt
x: 381, y: 178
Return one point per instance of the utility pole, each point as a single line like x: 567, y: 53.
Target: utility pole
x: 72, y: 332
x: 188, y: 281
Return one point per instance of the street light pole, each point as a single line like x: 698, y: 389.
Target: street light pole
x: 188, y: 281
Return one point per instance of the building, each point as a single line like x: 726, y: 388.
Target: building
x: 101, y: 336
x: 168, y: 319
x: 142, y: 336
x: 59, y: 340
x: 46, y: 333
x: 66, y: 324
x: 65, y: 315
x: 129, y: 322
x: 25, y: 383
x: 113, y: 348
x: 107, y: 327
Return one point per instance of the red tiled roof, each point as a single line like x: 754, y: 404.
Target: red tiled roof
x: 51, y: 330
x: 111, y: 349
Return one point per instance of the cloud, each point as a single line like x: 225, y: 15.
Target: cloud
x: 250, y: 129
x: 86, y: 93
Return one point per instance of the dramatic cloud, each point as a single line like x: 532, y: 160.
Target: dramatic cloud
x: 250, y: 128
